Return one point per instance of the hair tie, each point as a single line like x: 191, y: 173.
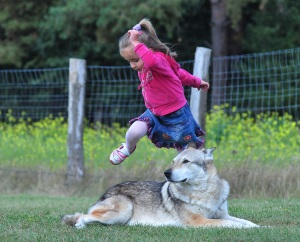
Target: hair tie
x: 137, y: 27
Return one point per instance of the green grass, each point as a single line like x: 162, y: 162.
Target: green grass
x: 259, y: 156
x: 37, y: 218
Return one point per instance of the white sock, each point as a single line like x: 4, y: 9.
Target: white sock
x: 125, y: 150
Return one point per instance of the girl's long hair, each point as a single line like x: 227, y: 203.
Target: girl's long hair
x: 149, y: 37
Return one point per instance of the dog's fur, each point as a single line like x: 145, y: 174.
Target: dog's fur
x: 193, y: 195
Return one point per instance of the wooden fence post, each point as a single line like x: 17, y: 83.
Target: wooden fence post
x: 77, y: 80
x: 198, y: 100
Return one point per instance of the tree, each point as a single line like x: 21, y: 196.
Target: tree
x: 46, y: 34
x: 263, y: 25
x: 93, y: 34
x: 19, y: 29
x: 273, y: 26
x: 219, y: 20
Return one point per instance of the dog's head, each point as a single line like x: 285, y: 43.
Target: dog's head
x: 191, y: 166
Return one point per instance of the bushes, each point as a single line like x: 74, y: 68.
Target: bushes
x: 263, y: 138
x: 255, y: 139
x: 32, y: 144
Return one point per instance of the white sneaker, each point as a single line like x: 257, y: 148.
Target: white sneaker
x: 119, y: 155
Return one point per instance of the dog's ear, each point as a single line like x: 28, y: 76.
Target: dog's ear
x: 209, y: 153
x: 191, y: 145
x: 210, y: 150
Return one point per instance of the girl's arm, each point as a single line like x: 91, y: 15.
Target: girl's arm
x: 188, y: 79
x: 150, y: 59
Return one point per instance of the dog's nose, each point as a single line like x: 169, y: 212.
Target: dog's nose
x: 168, y: 173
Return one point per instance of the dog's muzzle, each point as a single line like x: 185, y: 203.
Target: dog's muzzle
x: 168, y: 175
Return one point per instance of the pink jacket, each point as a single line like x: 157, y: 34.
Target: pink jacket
x: 162, y: 81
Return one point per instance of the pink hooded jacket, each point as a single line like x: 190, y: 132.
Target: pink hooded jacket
x: 162, y: 81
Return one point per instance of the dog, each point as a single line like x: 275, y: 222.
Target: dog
x: 193, y: 195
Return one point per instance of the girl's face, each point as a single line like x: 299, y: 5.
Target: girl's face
x: 134, y: 60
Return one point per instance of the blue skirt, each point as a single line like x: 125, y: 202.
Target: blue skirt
x: 174, y: 130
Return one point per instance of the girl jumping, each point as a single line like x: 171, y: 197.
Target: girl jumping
x: 168, y: 121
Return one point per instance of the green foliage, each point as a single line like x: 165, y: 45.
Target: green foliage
x: 235, y: 10
x: 94, y: 32
x: 37, y: 34
x: 266, y: 139
x: 47, y: 33
x: 274, y: 26
x: 19, y: 30
x: 37, y: 218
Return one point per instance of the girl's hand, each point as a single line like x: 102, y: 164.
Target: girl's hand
x: 204, y: 86
x: 134, y: 36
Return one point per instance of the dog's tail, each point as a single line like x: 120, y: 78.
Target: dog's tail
x: 70, y: 219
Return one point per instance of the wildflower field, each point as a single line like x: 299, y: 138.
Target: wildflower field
x: 265, y: 143
x: 264, y: 139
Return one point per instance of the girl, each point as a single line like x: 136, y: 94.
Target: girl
x: 168, y: 121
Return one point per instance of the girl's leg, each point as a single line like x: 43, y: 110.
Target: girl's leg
x: 136, y: 131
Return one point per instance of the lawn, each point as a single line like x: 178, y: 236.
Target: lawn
x: 263, y: 171
x: 37, y: 218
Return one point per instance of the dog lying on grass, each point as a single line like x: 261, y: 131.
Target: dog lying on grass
x: 192, y: 195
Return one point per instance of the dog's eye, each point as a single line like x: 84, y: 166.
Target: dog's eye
x: 185, y: 161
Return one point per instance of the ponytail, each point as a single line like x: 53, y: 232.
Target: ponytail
x: 149, y: 37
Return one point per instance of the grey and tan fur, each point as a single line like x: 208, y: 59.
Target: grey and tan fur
x: 192, y: 195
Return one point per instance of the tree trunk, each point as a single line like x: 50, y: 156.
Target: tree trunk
x: 219, y: 27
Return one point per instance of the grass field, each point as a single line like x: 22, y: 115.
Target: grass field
x: 33, y: 160
x: 37, y: 218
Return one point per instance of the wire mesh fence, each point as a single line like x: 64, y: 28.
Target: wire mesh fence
x: 34, y: 93
x: 111, y: 93
x: 263, y: 82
